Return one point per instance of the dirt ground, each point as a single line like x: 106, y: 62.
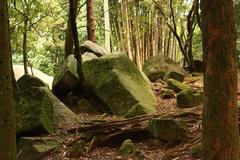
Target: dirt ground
x: 151, y: 149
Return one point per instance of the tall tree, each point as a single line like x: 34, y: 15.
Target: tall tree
x: 7, y: 122
x: 107, y: 25
x: 90, y: 21
x: 220, y: 123
x: 69, y: 38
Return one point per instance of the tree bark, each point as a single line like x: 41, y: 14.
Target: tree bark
x: 24, y: 45
x: 220, y: 137
x: 7, y: 117
x: 90, y: 21
x: 69, y: 45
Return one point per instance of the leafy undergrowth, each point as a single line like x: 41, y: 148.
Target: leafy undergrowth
x: 150, y: 148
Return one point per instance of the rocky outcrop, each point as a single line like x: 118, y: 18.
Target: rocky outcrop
x: 66, y: 78
x: 120, y: 85
x: 38, y: 111
x: 157, y: 66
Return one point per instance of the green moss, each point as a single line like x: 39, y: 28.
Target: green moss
x: 156, y: 67
x: 119, y: 84
x: 167, y: 129
x: 28, y: 81
x: 173, y: 75
x: 189, y: 98
x: 177, y: 86
x: 30, y: 148
x: 127, y: 148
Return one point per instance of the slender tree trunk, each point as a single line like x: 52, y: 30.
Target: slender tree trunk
x: 90, y: 21
x: 69, y: 38
x: 220, y: 137
x: 107, y: 26
x: 7, y: 117
x: 25, y: 61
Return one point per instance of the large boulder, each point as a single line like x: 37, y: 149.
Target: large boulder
x: 189, y: 98
x: 120, y: 85
x: 30, y: 148
x: 38, y: 110
x: 167, y: 129
x: 66, y: 78
x: 27, y: 81
x: 89, y: 46
x: 157, y: 66
x: 19, y: 72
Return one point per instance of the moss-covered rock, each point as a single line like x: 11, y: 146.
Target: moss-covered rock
x: 66, y: 78
x: 177, y: 86
x: 189, y: 98
x: 89, y: 46
x: 167, y: 129
x: 173, y: 75
x: 157, y: 66
x: 78, y: 148
x: 38, y: 110
x: 28, y: 81
x: 196, y: 150
x: 86, y: 106
x: 120, y: 85
x: 33, y: 148
x: 167, y: 94
x: 127, y: 148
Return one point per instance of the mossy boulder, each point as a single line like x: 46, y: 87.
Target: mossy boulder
x: 120, y: 85
x: 33, y: 148
x: 38, y: 110
x: 189, y: 98
x: 28, y: 81
x: 173, y: 75
x: 66, y: 77
x: 127, y: 148
x: 167, y: 129
x: 157, y: 66
x: 85, y: 106
x: 89, y: 46
x: 177, y: 86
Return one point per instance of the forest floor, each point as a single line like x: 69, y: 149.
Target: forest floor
x: 151, y: 149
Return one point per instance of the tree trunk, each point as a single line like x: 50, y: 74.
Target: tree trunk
x: 220, y: 135
x: 7, y: 117
x: 24, y: 47
x: 90, y: 21
x: 107, y: 25
x: 69, y: 38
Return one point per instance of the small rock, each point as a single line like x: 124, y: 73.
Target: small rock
x: 127, y: 148
x: 89, y: 46
x: 167, y: 129
x: 167, y: 94
x: 79, y: 148
x: 173, y: 75
x: 177, y: 86
x: 189, y: 98
x: 31, y: 148
x: 85, y: 105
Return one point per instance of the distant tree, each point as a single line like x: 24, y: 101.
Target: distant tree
x: 220, y: 137
x: 90, y: 21
x: 7, y: 118
x: 107, y: 29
